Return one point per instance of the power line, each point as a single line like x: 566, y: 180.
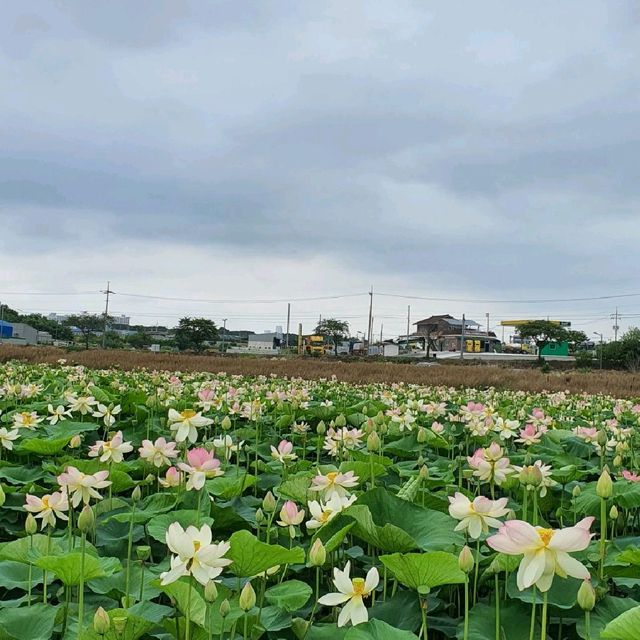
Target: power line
x: 478, y: 301
x: 243, y: 301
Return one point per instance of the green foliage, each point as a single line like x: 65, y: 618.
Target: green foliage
x: 335, y: 330
x: 87, y: 324
x: 251, y: 557
x: 193, y: 333
x: 423, y: 571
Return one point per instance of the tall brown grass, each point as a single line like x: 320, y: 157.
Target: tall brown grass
x: 616, y: 383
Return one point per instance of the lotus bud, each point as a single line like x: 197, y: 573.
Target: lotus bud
x: 422, y: 435
x: 317, y: 554
x: 101, y: 621
x: 300, y: 627
x: 617, y: 461
x: 373, y: 442
x: 321, y: 429
x: 420, y: 461
x: 143, y: 553
x: 260, y: 517
x: 424, y: 472
x: 210, y: 591
x: 247, y: 597
x: 150, y: 479
x: 379, y: 417
x: 370, y: 425
x: 226, y: 423
x: 465, y: 560
x: 3, y: 496
x: 341, y: 421
x: 225, y: 608
x: 269, y: 503
x: 613, y: 512
x: 30, y: 525
x: 576, y: 491
x: 136, y: 494
x: 586, y: 596
x: 86, y: 519
x: 75, y: 442
x: 119, y: 624
x: 601, y: 438
x: 511, y: 515
x: 531, y: 476
x: 604, y: 486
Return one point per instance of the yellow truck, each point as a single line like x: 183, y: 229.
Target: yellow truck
x: 314, y: 345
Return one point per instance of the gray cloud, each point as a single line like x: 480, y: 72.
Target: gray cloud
x: 479, y: 145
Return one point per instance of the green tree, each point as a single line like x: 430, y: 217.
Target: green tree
x: 139, y: 340
x: 335, y: 330
x: 87, y: 324
x: 542, y: 332
x: 192, y: 333
x: 41, y: 323
x: 575, y: 338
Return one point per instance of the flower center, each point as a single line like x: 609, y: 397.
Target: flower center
x: 358, y: 586
x: 332, y: 476
x: 45, y: 502
x: 196, y: 545
x: 188, y: 413
x: 545, y: 535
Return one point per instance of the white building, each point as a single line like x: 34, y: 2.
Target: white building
x: 267, y: 342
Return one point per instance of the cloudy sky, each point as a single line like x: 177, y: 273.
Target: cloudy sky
x: 467, y: 153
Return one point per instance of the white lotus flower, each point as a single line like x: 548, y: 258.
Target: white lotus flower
x: 194, y: 554
x: 351, y: 591
x: 186, y: 423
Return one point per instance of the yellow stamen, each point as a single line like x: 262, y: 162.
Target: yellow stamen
x: 188, y: 413
x: 545, y: 535
x: 358, y: 586
x: 332, y: 476
x: 196, y: 545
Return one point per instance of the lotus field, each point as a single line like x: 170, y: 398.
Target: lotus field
x: 150, y: 504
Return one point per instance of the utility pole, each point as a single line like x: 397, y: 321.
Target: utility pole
x: 370, y: 328
x: 487, y: 324
x: 106, y: 314
x: 615, y: 325
x: 1, y: 323
x: 286, y: 339
x: 224, y: 332
x: 601, y: 338
x: 408, y: 323
x: 381, y: 326
x: 462, y: 338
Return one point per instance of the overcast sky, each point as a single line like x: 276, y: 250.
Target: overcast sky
x: 236, y: 150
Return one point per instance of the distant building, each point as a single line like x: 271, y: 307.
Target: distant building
x: 23, y: 334
x: 56, y: 317
x: 445, y: 333
x: 268, y: 341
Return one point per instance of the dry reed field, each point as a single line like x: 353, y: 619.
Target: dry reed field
x: 617, y: 383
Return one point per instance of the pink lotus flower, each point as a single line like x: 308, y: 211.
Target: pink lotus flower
x: 531, y: 434
x: 83, y: 486
x: 201, y: 465
x: 437, y: 428
x: 490, y: 465
x: 290, y: 516
x: 334, y: 483
x: 48, y: 507
x: 158, y: 453
x: 171, y: 479
x: 113, y: 449
x: 546, y: 551
x: 284, y: 452
x: 632, y: 477
x: 588, y: 434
